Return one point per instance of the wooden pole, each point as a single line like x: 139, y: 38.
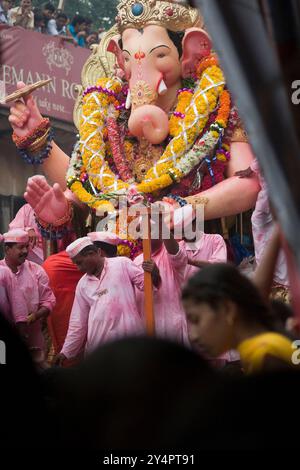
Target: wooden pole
x: 148, y: 289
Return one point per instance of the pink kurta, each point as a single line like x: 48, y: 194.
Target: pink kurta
x: 262, y: 229
x: 33, y: 284
x: 210, y: 248
x: 25, y: 220
x: 12, y: 305
x: 170, y: 319
x: 105, y: 309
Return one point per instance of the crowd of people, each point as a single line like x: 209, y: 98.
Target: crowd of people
x: 220, y: 343
x: 75, y: 323
x: 51, y: 21
x: 90, y: 296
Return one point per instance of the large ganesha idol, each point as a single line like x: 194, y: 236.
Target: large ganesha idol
x: 160, y: 124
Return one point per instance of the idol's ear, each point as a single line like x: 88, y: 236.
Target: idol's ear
x: 196, y: 44
x: 114, y: 47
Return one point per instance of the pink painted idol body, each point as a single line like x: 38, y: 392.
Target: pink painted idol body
x: 150, y: 130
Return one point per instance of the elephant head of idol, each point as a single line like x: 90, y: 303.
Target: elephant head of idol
x: 160, y: 43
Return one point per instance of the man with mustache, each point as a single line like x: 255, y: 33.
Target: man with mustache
x: 33, y: 283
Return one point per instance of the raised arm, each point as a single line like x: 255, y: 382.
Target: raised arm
x: 171, y: 245
x: 78, y: 328
x: 24, y: 118
x: 233, y: 195
x: 198, y: 264
x: 264, y: 274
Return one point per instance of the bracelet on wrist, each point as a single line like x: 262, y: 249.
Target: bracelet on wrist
x: 44, y: 149
x: 57, y: 229
x: 58, y: 222
x: 53, y: 233
x: 197, y: 200
x: 32, y: 136
x: 182, y: 202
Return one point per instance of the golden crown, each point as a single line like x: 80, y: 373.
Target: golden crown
x: 171, y: 15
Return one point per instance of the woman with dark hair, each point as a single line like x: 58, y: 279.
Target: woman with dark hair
x: 226, y: 311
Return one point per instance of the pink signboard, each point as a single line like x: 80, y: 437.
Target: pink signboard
x: 30, y: 56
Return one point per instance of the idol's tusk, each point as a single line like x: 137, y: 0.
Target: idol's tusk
x: 128, y: 100
x: 162, y: 89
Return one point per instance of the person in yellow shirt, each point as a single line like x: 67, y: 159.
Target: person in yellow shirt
x: 226, y: 311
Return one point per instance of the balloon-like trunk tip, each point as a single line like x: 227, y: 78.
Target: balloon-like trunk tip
x: 149, y: 122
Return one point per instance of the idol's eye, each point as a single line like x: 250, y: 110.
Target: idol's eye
x: 126, y: 57
x: 161, y: 55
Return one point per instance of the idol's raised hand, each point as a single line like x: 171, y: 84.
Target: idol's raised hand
x: 49, y: 203
x: 24, y: 115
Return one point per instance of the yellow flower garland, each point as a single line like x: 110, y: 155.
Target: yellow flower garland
x: 98, y: 106
x: 196, y: 117
x: 184, y: 102
x: 85, y: 197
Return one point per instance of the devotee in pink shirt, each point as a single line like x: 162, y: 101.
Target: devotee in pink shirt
x: 12, y: 305
x: 105, y: 306
x: 209, y: 248
x: 171, y: 260
x: 33, y: 283
x: 201, y: 248
x: 263, y: 225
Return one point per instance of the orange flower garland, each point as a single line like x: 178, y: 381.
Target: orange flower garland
x: 186, y: 124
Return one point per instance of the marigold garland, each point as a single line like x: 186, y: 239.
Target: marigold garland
x: 206, y: 62
x: 209, y: 140
x: 184, y: 101
x: 90, y: 176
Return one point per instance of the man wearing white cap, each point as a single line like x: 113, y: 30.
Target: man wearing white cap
x: 107, y: 241
x: 64, y: 277
x: 33, y: 283
x: 25, y: 220
x: 105, y: 303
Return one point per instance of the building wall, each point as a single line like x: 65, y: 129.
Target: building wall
x: 14, y: 171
